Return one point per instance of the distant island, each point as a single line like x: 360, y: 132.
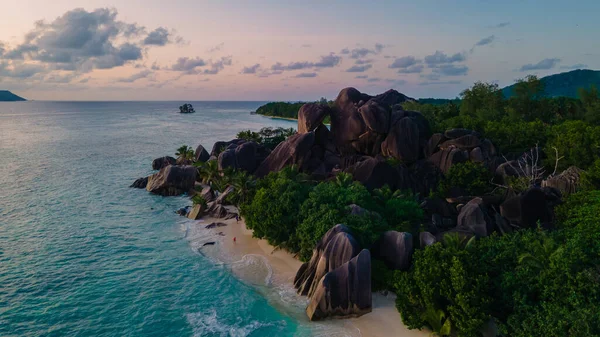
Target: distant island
x: 565, y: 84
x: 7, y: 96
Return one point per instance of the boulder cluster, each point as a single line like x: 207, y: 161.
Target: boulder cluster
x: 379, y: 143
x: 337, y: 279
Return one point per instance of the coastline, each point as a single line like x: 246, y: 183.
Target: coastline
x: 279, y: 272
x: 277, y: 117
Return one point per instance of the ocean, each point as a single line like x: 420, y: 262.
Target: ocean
x: 82, y: 254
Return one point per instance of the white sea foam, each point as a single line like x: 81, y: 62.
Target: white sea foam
x: 253, y: 268
x: 208, y: 323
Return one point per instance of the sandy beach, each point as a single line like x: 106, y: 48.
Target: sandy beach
x: 277, y: 270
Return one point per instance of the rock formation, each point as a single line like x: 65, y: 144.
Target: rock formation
x: 161, y: 162
x: 140, y: 183
x: 336, y: 279
x: 172, y: 180
x: 343, y: 292
x: 395, y: 249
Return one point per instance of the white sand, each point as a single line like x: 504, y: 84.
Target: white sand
x: 383, y: 321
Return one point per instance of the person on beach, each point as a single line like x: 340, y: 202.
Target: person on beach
x: 234, y: 239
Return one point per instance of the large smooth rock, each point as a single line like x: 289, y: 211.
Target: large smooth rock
x: 466, y: 142
x: 201, y: 155
x: 161, y: 162
x: 341, y: 251
x: 295, y: 150
x: 566, y: 182
x: 311, y: 115
x: 457, y: 133
x: 473, y: 217
x: 511, y: 210
x: 343, y: 292
x: 244, y: 156
x: 403, y: 141
x: 221, y: 146
x: 375, y: 116
x: 208, y: 194
x: 374, y: 173
x: 172, y: 180
x: 346, y: 123
x: 196, y: 212
x: 140, y: 183
x: 426, y: 239
x: 391, y: 98
x: 395, y: 249
x: 444, y: 159
x: 535, y: 208
x: 433, y: 144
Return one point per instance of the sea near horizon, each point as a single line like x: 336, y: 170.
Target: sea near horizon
x: 82, y: 254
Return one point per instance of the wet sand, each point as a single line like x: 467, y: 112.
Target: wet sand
x: 383, y: 321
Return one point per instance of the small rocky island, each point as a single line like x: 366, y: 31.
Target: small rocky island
x: 7, y: 96
x: 186, y: 109
x: 386, y: 158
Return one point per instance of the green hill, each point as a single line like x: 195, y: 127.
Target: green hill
x: 7, y: 96
x: 565, y: 84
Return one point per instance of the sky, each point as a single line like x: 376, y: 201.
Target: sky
x: 285, y: 50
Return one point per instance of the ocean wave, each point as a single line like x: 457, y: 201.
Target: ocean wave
x: 208, y: 323
x: 253, y: 268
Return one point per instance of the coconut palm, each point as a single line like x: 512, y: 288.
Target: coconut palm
x: 185, y: 152
x: 243, y: 183
x: 456, y: 242
x: 209, y: 172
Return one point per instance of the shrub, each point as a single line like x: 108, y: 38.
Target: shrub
x: 273, y: 212
x: 590, y: 178
x: 465, y: 178
x: 443, y: 290
x: 268, y: 137
x: 327, y: 206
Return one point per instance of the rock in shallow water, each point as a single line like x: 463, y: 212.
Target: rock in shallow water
x: 172, y: 180
x: 140, y: 183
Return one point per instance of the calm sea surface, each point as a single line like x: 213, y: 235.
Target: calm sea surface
x: 81, y: 254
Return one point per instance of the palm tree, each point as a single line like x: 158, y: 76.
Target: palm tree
x: 343, y: 179
x: 242, y: 183
x: 540, y: 253
x: 437, y: 320
x: 209, y: 172
x: 185, y: 152
x: 456, y: 242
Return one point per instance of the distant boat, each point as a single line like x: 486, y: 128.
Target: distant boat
x: 186, y: 109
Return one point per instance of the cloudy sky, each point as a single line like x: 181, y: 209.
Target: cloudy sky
x: 285, y: 50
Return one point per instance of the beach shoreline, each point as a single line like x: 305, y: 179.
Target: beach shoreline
x: 383, y: 321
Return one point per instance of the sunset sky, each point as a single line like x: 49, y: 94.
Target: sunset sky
x: 284, y: 50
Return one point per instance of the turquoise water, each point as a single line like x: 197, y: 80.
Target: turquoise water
x: 81, y: 254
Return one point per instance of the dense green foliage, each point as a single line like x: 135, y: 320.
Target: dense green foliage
x: 288, y: 109
x: 290, y: 211
x: 590, y: 178
x: 280, y: 109
x: 269, y: 137
x: 274, y: 211
x: 527, y: 118
x: 185, y: 152
x: 530, y: 282
x: 467, y: 178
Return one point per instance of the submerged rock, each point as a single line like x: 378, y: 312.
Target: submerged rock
x: 140, y: 183
x: 172, y: 180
